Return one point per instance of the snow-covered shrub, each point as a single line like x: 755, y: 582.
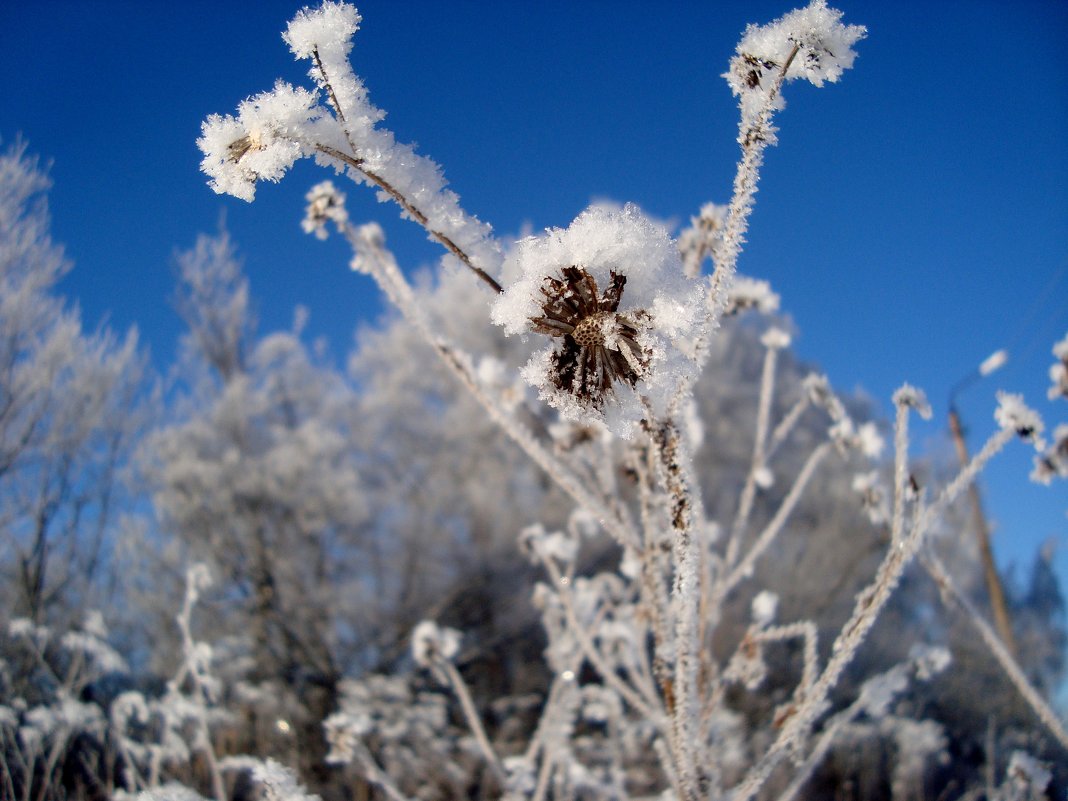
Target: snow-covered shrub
x: 655, y: 686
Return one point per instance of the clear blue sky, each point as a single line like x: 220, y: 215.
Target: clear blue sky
x: 914, y: 217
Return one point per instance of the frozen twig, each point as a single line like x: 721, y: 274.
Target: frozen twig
x: 474, y: 722
x: 744, y: 568
x: 759, y: 459
x: 870, y: 603
x: 952, y: 594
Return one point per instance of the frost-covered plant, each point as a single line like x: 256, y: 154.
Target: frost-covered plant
x: 71, y: 402
x: 49, y: 720
x: 160, y: 739
x: 645, y: 673
x: 156, y: 734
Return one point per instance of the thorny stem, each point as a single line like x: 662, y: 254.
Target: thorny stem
x: 357, y: 164
x: 870, y: 602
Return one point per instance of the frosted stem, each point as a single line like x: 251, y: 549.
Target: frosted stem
x: 589, y: 649
x: 383, y: 268
x: 358, y: 165
x: 901, y: 459
x: 754, y: 140
x: 685, y: 602
x: 472, y: 717
x: 775, y: 525
x: 870, y: 603
x: 745, y: 502
x: 952, y: 593
x: 375, y: 775
x: 409, y: 207
x: 786, y: 425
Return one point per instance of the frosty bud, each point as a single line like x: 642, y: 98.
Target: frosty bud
x: 1012, y: 413
x: 995, y: 361
x: 431, y: 643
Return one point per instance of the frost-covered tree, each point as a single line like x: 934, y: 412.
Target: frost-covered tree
x: 70, y: 407
x: 72, y: 403
x: 254, y: 476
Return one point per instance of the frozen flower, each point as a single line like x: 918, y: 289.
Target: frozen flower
x: 610, y: 291
x: 914, y: 398
x: 873, y: 498
x: 929, y: 660
x: 747, y: 666
x: 590, y: 324
x: 1012, y: 413
x: 1053, y: 462
x: 842, y: 433
x: 1027, y: 777
x: 763, y: 477
x: 1058, y: 371
x: 811, y: 40
x: 325, y: 202
x: 279, y: 783
x: 870, y: 441
x: 702, y: 237
x: 775, y: 338
x: 328, y: 27
x: 263, y: 141
x: 431, y: 643
x: 536, y: 543
x: 822, y: 396
x: 765, y: 604
x: 751, y: 294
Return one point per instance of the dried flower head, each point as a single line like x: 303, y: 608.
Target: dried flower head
x: 1053, y: 462
x: 1012, y: 413
x: 610, y: 293
x: 599, y: 345
x: 261, y: 143
x: 325, y: 203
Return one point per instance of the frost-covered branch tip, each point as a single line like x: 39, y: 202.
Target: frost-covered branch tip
x: 274, y: 129
x: 809, y: 43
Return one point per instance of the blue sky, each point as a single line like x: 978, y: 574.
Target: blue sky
x: 914, y: 216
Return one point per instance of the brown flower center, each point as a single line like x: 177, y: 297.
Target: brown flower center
x: 589, y: 333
